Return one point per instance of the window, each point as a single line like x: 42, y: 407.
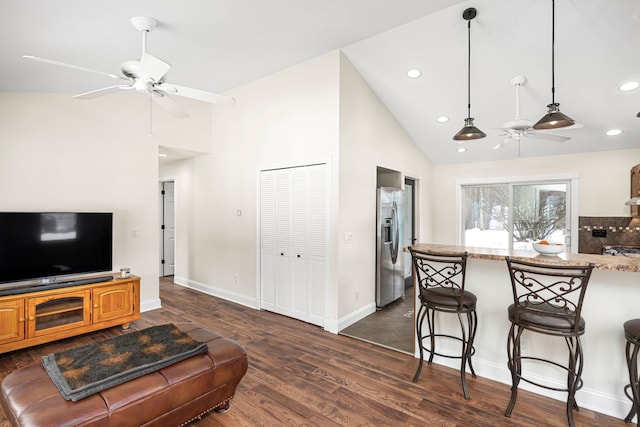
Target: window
x: 510, y: 215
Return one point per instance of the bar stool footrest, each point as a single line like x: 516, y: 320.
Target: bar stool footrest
x: 551, y: 362
x: 450, y: 356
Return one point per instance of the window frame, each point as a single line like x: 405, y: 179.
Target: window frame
x: 572, y: 181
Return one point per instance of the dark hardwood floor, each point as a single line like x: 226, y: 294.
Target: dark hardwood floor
x: 300, y: 375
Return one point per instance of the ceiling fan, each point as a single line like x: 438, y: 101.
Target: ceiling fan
x: 518, y: 128
x: 147, y: 76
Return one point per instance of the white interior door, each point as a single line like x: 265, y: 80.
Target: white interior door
x: 167, y: 228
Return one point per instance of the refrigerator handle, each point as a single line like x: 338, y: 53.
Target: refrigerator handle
x: 396, y: 237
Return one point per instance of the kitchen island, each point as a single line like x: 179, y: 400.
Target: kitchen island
x: 611, y: 299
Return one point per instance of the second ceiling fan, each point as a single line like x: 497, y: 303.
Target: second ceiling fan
x: 518, y: 128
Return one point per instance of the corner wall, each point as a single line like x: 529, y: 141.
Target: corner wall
x: 317, y: 111
x: 369, y: 137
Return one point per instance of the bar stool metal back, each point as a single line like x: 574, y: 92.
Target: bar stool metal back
x: 547, y: 299
x: 632, y: 390
x: 440, y: 283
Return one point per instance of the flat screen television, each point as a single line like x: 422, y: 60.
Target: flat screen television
x: 47, y: 245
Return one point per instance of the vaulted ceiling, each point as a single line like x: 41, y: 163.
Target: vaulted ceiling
x: 216, y: 45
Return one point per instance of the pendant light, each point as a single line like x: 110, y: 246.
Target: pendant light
x: 469, y: 131
x: 554, y: 118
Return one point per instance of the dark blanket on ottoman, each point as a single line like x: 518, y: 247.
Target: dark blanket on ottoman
x: 83, y: 371
x: 171, y: 396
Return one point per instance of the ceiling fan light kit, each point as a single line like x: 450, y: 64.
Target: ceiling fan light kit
x: 554, y: 118
x: 469, y: 131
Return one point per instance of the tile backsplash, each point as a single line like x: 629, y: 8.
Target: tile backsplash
x: 620, y: 231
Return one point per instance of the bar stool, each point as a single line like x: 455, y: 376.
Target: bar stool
x: 632, y: 335
x: 547, y: 299
x: 440, y: 281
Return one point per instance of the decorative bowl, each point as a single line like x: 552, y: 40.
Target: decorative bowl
x: 547, y: 248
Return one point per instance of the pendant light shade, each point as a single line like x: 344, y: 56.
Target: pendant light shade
x: 469, y: 131
x: 554, y: 118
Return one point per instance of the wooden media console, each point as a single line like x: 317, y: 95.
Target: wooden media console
x: 42, y: 316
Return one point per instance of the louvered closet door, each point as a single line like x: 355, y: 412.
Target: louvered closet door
x: 293, y: 242
x: 317, y: 244
x: 274, y: 241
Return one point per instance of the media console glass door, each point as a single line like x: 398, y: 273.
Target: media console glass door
x: 50, y: 314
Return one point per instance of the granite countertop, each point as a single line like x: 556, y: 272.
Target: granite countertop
x: 601, y: 262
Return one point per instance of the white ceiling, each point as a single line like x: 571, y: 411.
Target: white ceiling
x: 216, y: 45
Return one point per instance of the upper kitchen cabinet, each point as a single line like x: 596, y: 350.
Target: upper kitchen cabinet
x: 635, y: 189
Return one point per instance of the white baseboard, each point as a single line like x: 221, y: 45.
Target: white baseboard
x: 149, y: 305
x: 217, y: 292
x: 355, y: 316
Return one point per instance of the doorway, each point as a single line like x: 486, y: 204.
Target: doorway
x: 167, y: 228
x: 409, y: 237
x: 393, y: 326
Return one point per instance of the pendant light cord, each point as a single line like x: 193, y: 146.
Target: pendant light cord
x: 469, y: 131
x: 553, y: 53
x: 469, y: 68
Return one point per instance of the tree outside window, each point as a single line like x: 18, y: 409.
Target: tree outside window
x: 511, y: 216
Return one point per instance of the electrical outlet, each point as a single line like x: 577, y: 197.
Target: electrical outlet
x: 599, y: 233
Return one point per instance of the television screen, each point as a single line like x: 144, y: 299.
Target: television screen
x: 36, y: 245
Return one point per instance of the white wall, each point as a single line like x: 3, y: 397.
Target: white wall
x: 62, y: 154
x: 369, y: 137
x: 604, y: 183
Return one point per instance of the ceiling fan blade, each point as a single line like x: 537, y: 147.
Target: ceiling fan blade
x: 100, y: 92
x: 546, y: 136
x: 200, y: 95
x: 75, y: 67
x: 153, y: 67
x: 171, y: 106
x: 573, y: 126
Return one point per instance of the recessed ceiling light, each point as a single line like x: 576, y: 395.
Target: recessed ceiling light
x: 628, y: 86
x: 614, y: 132
x: 414, y: 73
x: 442, y: 119
x: 162, y: 155
x: 461, y: 150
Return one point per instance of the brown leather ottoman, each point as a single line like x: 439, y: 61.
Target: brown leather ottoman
x: 172, y: 396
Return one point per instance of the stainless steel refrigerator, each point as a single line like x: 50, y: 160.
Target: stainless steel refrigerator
x: 389, y: 258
